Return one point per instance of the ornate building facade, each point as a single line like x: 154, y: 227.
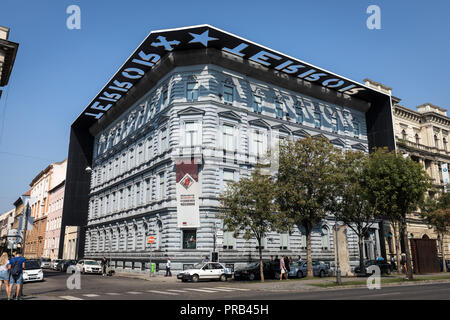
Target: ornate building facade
x: 422, y: 134
x: 157, y: 163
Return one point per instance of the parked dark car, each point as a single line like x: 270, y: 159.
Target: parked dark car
x: 271, y: 270
x: 64, y: 264
x: 385, y: 267
x: 300, y: 270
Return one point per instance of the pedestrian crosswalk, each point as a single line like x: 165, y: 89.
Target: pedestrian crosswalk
x: 166, y: 293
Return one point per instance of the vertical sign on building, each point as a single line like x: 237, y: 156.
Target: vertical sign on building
x: 445, y: 175
x: 187, y: 188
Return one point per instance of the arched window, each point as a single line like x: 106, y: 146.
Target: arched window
x: 436, y: 141
x: 404, y: 135
x: 325, y: 238
x: 425, y: 236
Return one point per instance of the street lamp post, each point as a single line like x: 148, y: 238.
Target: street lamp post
x: 338, y: 265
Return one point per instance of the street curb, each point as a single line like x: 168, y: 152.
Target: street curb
x: 422, y: 282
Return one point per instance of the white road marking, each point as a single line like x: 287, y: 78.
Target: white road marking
x: 162, y: 292
x: 219, y: 289
x: 235, y: 288
x: 134, y: 292
x: 173, y: 290
x: 200, y: 290
x: 91, y: 295
x: 113, y: 294
x: 70, y: 298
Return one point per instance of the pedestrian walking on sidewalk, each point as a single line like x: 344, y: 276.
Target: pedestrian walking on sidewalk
x: 282, y: 268
x: 168, y: 272
x: 287, y: 266
x: 16, y: 266
x: 104, y: 263
x: 4, y: 273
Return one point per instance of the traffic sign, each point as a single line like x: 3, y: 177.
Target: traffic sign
x: 151, y: 239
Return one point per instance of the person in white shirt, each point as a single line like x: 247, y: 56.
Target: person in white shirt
x: 168, y: 273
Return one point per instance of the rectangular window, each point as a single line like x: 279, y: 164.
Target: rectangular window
x: 279, y: 110
x: 257, y: 104
x: 161, y: 191
x: 284, y: 240
x: 148, y: 153
x: 148, y: 195
x: 164, y: 97
x: 334, y: 124
x: 189, y: 239
x: 228, y: 137
x: 192, y: 91
x: 299, y: 112
x: 259, y: 143
x: 191, y: 133
x: 317, y: 120
x: 228, y: 240
x: 129, y: 198
x: 228, y: 176
x: 113, y: 199
x: 356, y: 129
x: 228, y: 94
x: 138, y: 194
x: 164, y: 145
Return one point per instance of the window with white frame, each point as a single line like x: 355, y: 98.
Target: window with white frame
x: 317, y: 120
x: 228, y: 242
x: 164, y: 97
x: 279, y: 113
x: 148, y: 195
x: 191, y: 133
x: 259, y: 142
x: 334, y: 123
x: 228, y: 137
x: 129, y: 198
x: 356, y: 129
x: 138, y: 194
x: 299, y: 112
x: 228, y: 94
x: 163, y: 143
x: 325, y: 238
x: 148, y: 152
x: 140, y: 158
x: 228, y: 176
x: 257, y: 104
x: 192, y: 91
x: 284, y: 241
x: 161, y: 183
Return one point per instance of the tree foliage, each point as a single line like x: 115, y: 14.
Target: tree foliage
x: 307, y: 170
x: 397, y: 185
x: 248, y: 207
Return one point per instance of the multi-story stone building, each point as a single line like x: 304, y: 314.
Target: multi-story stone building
x: 6, y: 222
x: 8, y: 52
x: 53, y: 233
x: 46, y: 180
x: 422, y: 134
x: 202, y: 116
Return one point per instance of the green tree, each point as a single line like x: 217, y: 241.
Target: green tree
x: 436, y: 212
x: 249, y: 206
x: 352, y: 205
x: 307, y: 170
x: 397, y: 186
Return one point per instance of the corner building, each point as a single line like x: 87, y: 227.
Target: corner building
x: 204, y: 112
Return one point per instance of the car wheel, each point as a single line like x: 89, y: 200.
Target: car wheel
x: 251, y: 276
x: 299, y: 274
x: 183, y: 280
x: 223, y: 278
x: 322, y: 274
x: 195, y: 278
x: 388, y: 271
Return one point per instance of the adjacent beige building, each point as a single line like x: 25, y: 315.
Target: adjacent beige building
x: 70, y: 242
x: 423, y: 134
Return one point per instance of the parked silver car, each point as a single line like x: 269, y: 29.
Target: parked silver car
x: 54, y: 263
x: 45, y: 263
x: 300, y: 270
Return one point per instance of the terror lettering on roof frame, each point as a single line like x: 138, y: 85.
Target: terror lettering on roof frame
x: 161, y: 43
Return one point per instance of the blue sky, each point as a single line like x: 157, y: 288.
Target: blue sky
x: 58, y: 71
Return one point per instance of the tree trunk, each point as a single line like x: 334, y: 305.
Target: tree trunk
x: 361, y: 254
x: 309, y: 254
x: 397, y: 247
x: 444, y: 265
x: 409, y: 273
x: 261, y: 265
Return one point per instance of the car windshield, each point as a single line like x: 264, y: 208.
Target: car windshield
x: 198, y: 266
x: 29, y: 265
x: 91, y: 263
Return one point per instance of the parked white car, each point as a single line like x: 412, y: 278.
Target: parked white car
x: 45, y: 263
x: 32, y: 271
x: 207, y: 271
x: 89, y: 266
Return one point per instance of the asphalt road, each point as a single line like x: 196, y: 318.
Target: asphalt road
x: 96, y: 287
